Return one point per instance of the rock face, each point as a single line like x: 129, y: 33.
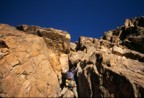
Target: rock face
x: 28, y: 67
x: 56, y: 39
x: 32, y: 60
x: 112, y: 66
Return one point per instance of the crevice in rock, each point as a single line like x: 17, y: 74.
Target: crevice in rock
x: 133, y: 46
x: 127, y: 32
x: 134, y: 56
x: 141, y: 90
x: 129, y: 54
x: 117, y: 85
x: 63, y: 81
x: 95, y: 84
x: 99, y: 60
x: 3, y: 44
x: 80, y: 47
x: 1, y: 90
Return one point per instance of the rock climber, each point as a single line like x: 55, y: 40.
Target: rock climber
x: 70, y: 83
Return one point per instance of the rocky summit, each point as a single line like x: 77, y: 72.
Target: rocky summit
x: 33, y: 60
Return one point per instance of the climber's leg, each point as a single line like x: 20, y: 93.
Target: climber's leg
x: 63, y: 91
x: 75, y: 91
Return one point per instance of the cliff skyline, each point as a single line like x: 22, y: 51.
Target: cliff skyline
x: 78, y: 17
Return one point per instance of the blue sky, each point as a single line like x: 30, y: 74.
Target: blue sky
x: 78, y: 17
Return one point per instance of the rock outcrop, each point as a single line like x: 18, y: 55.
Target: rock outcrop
x: 58, y: 40
x: 32, y: 60
x: 112, y: 66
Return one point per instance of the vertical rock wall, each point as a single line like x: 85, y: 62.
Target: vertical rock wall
x: 28, y: 67
x: 32, y: 60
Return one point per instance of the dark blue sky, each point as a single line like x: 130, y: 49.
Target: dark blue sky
x: 78, y: 17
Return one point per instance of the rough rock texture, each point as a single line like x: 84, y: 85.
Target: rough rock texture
x: 112, y: 66
x: 56, y: 39
x: 32, y: 60
x: 28, y: 68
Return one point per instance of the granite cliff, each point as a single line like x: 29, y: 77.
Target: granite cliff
x: 32, y: 60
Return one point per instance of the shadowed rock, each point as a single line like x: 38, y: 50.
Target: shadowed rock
x: 113, y: 68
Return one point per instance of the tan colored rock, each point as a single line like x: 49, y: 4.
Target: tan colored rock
x: 64, y: 62
x: 73, y: 46
x: 75, y: 57
x: 96, y: 42
x: 58, y: 40
x: 118, y: 50
x: 116, y: 67
x: 108, y: 35
x: 28, y: 67
x: 128, y: 23
x: 83, y: 39
x: 32, y: 62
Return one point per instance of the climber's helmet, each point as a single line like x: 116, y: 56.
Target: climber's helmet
x: 69, y: 75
